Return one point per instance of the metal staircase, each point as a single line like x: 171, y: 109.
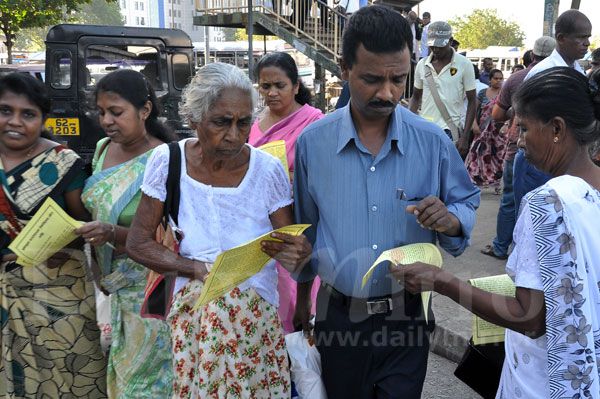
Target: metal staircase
x: 312, y: 27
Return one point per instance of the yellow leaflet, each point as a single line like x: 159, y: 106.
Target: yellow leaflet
x: 485, y: 332
x: 49, y: 231
x: 238, y: 264
x: 405, y: 255
x: 278, y: 150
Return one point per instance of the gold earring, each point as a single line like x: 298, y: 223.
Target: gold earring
x: 555, y: 140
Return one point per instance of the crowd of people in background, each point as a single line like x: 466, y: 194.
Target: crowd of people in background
x: 369, y: 177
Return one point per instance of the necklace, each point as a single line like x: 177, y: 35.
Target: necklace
x: 30, y: 152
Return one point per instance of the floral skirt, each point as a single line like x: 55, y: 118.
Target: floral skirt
x: 233, y: 347
x: 50, y: 341
x: 485, y: 161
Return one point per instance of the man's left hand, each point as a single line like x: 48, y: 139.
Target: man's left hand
x: 292, y: 252
x: 432, y: 214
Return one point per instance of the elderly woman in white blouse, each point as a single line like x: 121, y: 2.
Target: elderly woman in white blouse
x: 230, y: 193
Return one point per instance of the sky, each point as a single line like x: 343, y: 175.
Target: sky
x: 528, y: 14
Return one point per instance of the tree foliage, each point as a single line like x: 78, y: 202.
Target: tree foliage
x: 98, y: 12
x: 229, y: 34
x: 16, y: 15
x: 242, y: 36
x: 483, y: 28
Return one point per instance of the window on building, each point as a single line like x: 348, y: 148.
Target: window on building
x: 142, y: 21
x: 123, y: 4
x: 136, y: 5
x: 169, y: 13
x: 179, y: 13
x: 137, y: 20
x: 141, y: 6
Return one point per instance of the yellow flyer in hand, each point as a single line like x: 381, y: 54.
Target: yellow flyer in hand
x: 485, y: 332
x: 238, y: 264
x: 49, y: 231
x: 405, y: 255
x: 278, y: 150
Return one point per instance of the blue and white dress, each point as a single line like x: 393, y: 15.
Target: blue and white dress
x: 557, y: 250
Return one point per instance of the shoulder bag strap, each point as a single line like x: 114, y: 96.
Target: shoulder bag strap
x: 172, y: 199
x: 439, y: 104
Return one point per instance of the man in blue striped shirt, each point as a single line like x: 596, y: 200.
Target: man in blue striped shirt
x: 370, y: 177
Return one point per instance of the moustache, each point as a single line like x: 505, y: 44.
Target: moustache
x: 381, y: 104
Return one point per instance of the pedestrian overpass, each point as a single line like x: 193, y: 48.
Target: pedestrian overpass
x: 313, y: 27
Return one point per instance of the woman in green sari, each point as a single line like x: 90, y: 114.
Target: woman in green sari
x: 50, y: 341
x: 139, y: 364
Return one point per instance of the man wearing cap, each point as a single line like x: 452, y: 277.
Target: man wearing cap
x: 370, y: 177
x: 502, y: 111
x: 453, y: 78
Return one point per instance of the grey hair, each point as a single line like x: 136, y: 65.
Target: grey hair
x: 207, y: 85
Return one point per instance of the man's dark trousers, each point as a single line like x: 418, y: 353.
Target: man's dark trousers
x: 372, y: 356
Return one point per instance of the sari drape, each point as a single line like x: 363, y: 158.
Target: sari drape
x: 485, y: 161
x: 50, y: 341
x: 139, y: 364
x: 288, y: 130
x: 565, y: 214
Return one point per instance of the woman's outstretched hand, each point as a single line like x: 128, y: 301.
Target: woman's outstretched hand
x: 417, y: 277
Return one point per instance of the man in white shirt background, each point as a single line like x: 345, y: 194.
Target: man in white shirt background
x: 424, y: 52
x: 573, y: 31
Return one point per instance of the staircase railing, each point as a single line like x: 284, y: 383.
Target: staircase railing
x: 314, y: 21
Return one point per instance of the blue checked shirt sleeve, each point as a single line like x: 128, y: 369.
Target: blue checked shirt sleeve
x: 305, y: 209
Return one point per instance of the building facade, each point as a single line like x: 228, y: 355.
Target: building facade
x: 178, y: 14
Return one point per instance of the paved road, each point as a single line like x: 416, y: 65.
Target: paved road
x: 454, y: 321
x: 441, y: 383
x: 454, y: 324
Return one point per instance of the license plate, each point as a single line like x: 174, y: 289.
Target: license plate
x: 63, y: 126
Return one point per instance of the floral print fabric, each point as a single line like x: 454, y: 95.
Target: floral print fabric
x: 233, y: 347
x: 139, y: 363
x: 485, y: 161
x: 569, y: 247
x: 564, y: 215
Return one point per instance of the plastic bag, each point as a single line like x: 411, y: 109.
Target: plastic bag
x: 103, y: 319
x: 305, y: 367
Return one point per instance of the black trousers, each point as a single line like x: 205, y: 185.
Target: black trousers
x: 372, y: 356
